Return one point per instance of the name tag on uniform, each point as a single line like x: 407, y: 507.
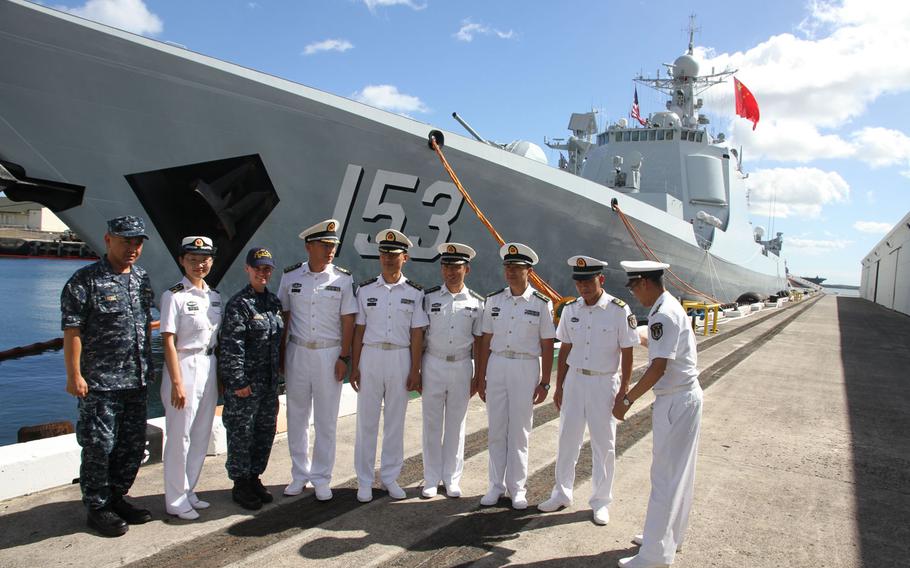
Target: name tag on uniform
x: 495, y: 312
x: 333, y: 288
x: 295, y: 290
x: 110, y: 298
x: 407, y: 301
x: 371, y: 302
x: 216, y: 304
x: 192, y: 306
x: 532, y: 313
x: 258, y: 317
x: 435, y: 310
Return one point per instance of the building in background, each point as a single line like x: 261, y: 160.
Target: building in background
x: 886, y: 269
x: 29, y: 216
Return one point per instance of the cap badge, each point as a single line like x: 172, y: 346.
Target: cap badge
x: 198, y: 243
x: 513, y: 249
x: 262, y: 253
x: 581, y: 263
x: 330, y: 227
x: 450, y: 249
x: 390, y: 236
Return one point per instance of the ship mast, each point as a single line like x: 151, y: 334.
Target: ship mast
x: 684, y: 83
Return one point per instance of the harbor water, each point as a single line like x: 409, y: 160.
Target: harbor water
x: 34, y: 387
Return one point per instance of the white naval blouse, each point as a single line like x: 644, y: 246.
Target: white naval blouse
x: 454, y: 320
x: 192, y: 314
x: 390, y: 311
x: 597, y: 333
x: 316, y: 301
x: 671, y: 337
x: 518, y: 323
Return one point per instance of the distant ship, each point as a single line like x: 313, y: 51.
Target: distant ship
x: 97, y: 122
x: 817, y: 280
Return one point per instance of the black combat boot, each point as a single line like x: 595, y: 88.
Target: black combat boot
x: 260, y: 490
x: 129, y: 512
x: 245, y: 496
x: 107, y: 522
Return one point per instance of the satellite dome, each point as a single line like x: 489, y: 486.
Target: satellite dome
x: 528, y: 150
x: 666, y: 119
x: 685, y: 66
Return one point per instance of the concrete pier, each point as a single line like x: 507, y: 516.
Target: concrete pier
x: 804, y: 461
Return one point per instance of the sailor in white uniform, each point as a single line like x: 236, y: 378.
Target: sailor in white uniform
x: 597, y: 332
x: 388, y: 348
x: 676, y: 416
x: 517, y: 353
x: 455, y: 313
x: 319, y: 307
x: 190, y: 318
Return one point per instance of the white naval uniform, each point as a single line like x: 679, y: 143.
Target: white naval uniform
x: 316, y: 301
x: 389, y: 312
x: 193, y: 315
x: 517, y: 323
x: 447, y: 370
x: 676, y: 422
x: 597, y: 334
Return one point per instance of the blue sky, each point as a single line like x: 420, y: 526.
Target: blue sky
x: 829, y: 162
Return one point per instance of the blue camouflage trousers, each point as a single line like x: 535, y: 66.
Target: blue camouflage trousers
x: 111, y: 431
x: 250, y: 426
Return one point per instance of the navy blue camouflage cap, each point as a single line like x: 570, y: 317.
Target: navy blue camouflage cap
x: 128, y: 226
x: 259, y: 257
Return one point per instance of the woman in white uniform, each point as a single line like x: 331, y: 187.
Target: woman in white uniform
x: 190, y: 318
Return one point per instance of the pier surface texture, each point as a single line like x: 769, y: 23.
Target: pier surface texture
x: 803, y: 461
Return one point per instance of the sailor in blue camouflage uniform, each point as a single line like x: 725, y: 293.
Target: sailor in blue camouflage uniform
x: 248, y: 363
x: 106, y: 320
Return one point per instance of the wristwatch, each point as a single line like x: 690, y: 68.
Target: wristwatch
x: 626, y: 401
x: 346, y: 359
x: 546, y: 386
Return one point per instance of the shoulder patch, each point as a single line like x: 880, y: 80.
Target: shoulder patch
x: 431, y: 290
x: 176, y: 287
x: 542, y: 296
x: 500, y: 291
x: 368, y: 281
x: 475, y: 294
x: 618, y: 302
x: 414, y: 284
x: 293, y: 267
x: 342, y: 269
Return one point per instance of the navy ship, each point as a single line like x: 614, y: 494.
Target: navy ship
x: 96, y: 122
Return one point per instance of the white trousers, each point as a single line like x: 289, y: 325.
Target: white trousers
x: 587, y: 400
x: 383, y: 379
x: 187, y: 431
x: 510, y: 417
x: 677, y: 420
x: 312, y: 389
x: 446, y: 392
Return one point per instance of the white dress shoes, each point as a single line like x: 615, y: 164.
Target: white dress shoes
x: 638, y: 562
x: 296, y: 487
x: 190, y: 515
x: 429, y: 491
x: 453, y: 491
x: 323, y: 492
x: 395, y: 491
x: 552, y: 504
x: 197, y: 503
x: 601, y: 516
x: 638, y: 539
x: 491, y: 498
x: 519, y: 503
x: 365, y: 494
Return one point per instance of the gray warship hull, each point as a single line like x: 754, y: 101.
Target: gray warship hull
x: 201, y: 146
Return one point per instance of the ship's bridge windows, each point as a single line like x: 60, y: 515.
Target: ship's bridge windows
x: 691, y: 136
x: 660, y: 134
x: 669, y: 135
x: 618, y: 137
x: 651, y: 134
x: 700, y: 137
x: 635, y: 136
x: 626, y: 136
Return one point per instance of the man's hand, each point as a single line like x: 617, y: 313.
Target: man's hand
x: 620, y: 409
x: 244, y: 392
x: 482, y: 388
x: 178, y: 396
x: 414, y: 382
x: 619, y: 396
x: 355, y: 380
x: 473, y: 386
x: 557, y: 398
x: 540, y: 394
x: 341, y: 368
x: 77, y: 386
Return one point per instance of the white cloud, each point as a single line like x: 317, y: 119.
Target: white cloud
x: 816, y: 246
x: 873, y: 227
x: 341, y: 45
x: 843, y: 60
x: 470, y: 29
x: 387, y: 97
x: 882, y: 147
x: 795, y: 192
x: 129, y: 15
x: 372, y: 4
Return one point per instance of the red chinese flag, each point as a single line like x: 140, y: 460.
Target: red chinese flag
x: 746, y: 106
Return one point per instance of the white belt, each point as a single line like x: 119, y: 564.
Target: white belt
x: 515, y: 355
x: 676, y: 389
x: 387, y: 346
x: 314, y: 344
x: 460, y: 356
x: 208, y: 350
x: 590, y: 373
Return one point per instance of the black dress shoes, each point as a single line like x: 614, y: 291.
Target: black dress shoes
x: 260, y: 490
x: 245, y: 496
x: 129, y: 512
x: 107, y: 522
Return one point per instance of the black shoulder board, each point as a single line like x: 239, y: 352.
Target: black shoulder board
x: 618, y: 302
x: 475, y: 294
x: 342, y: 269
x: 571, y: 301
x: 215, y: 291
x: 500, y: 291
x: 176, y: 287
x: 431, y: 290
x: 543, y: 297
x: 293, y: 267
x: 368, y: 281
x: 414, y: 284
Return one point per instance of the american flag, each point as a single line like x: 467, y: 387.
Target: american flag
x: 636, y: 111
